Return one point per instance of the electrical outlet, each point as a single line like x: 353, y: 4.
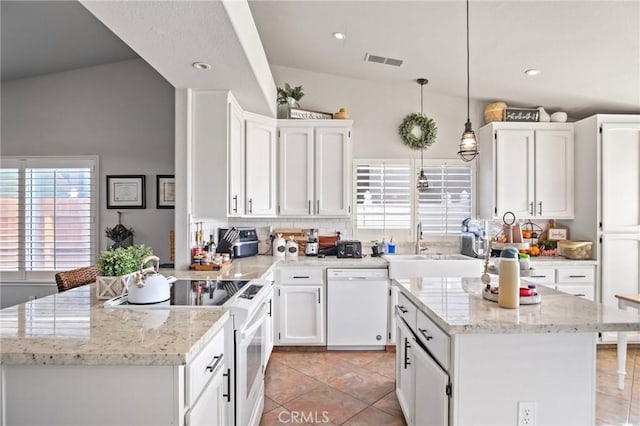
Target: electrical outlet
x: 526, y: 413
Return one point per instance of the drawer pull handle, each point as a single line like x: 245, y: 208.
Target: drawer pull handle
x: 577, y: 276
x: 215, y: 363
x: 301, y: 277
x: 580, y: 295
x: 402, y: 309
x: 424, y: 332
x: 538, y: 276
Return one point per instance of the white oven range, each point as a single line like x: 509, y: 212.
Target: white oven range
x: 250, y: 306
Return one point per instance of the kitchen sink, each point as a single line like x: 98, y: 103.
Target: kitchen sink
x: 404, y: 266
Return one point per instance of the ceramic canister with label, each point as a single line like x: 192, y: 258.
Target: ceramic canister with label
x: 279, y: 246
x: 292, y: 247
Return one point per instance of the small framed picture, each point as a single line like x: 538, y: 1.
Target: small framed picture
x: 165, y: 191
x: 126, y: 192
x: 557, y: 234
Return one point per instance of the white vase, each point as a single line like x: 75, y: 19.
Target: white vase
x: 543, y: 116
x: 292, y: 102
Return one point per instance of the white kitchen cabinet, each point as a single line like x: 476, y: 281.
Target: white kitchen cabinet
x: 314, y: 167
x: 191, y: 394
x: 608, y: 199
x: 579, y: 280
x: 235, y: 201
x: 269, y: 328
x: 260, y: 165
x: 431, y: 390
x: 300, y: 306
x: 405, y: 371
x: 528, y: 169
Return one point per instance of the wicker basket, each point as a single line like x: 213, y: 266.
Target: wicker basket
x: 110, y: 287
x: 494, y: 112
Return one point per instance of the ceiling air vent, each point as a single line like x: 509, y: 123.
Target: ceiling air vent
x: 383, y: 60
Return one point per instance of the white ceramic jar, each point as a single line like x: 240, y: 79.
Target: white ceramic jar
x: 279, y: 246
x: 292, y: 247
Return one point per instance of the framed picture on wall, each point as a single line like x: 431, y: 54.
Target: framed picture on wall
x: 126, y: 192
x: 165, y: 191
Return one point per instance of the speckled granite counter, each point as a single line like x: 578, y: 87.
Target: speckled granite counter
x: 457, y: 306
x: 260, y: 266
x: 72, y: 328
x: 542, y: 261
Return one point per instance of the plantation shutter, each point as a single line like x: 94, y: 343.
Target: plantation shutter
x: 448, y: 201
x: 48, y: 215
x: 383, y: 196
x: 10, y: 212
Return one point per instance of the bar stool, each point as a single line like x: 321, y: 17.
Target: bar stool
x: 67, y: 280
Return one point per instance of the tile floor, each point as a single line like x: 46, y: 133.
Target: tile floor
x: 357, y: 388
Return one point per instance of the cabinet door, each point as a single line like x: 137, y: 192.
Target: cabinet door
x: 514, y: 172
x: 296, y: 171
x: 210, y: 408
x: 621, y: 177
x: 269, y: 329
x: 235, y: 203
x: 620, y: 270
x: 301, y: 315
x: 432, y: 401
x: 260, y: 168
x: 554, y: 174
x: 332, y: 171
x: 405, y: 371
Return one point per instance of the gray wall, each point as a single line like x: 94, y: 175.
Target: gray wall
x: 123, y: 112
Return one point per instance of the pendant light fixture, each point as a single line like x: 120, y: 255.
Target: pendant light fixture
x: 468, y: 143
x: 421, y: 184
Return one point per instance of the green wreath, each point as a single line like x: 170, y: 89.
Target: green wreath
x: 428, y: 131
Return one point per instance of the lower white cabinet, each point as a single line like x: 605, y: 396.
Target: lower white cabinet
x: 405, y: 371
x: 431, y: 390
x: 154, y: 395
x: 269, y: 329
x: 300, y: 306
x: 579, y: 280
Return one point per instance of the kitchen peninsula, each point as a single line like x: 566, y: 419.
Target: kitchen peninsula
x: 491, y: 361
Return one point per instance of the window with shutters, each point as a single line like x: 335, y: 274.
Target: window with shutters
x: 386, y: 198
x: 47, y: 220
x: 448, y: 201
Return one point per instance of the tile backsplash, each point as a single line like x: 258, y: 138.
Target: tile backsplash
x: 324, y: 226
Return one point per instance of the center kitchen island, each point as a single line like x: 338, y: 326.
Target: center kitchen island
x: 462, y: 360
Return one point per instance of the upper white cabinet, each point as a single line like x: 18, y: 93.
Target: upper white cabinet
x: 528, y: 169
x: 251, y: 163
x: 314, y: 167
x: 260, y: 165
x: 235, y: 203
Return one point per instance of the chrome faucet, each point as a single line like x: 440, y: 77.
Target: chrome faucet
x: 419, y: 237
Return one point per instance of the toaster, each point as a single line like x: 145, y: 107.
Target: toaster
x: 238, y: 242
x: 349, y: 249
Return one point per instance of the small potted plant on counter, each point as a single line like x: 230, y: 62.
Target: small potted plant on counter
x: 117, y: 268
x: 290, y: 95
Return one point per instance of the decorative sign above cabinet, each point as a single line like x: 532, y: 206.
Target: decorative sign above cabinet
x: 521, y: 114
x: 309, y: 115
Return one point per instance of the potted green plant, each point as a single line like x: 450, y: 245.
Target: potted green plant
x: 117, y: 268
x: 290, y: 95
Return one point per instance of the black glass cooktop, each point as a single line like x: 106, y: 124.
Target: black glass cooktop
x: 202, y: 292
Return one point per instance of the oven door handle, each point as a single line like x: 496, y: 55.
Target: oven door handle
x: 259, y: 319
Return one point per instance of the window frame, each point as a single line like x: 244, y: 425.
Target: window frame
x: 365, y: 234
x: 22, y: 163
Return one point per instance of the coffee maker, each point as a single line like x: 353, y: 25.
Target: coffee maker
x: 474, y: 238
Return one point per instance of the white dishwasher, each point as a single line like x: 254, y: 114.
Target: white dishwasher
x: 357, y: 301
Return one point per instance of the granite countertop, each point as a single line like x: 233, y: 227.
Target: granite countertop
x: 457, y: 306
x: 72, y: 328
x: 541, y: 261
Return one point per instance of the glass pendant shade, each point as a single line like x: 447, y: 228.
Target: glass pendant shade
x: 422, y: 185
x: 468, y: 143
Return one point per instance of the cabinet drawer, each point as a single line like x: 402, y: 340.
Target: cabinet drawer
x: 407, y: 310
x: 300, y: 276
x: 434, y: 339
x: 542, y: 276
x: 576, y: 275
x: 585, y: 291
x: 205, y: 366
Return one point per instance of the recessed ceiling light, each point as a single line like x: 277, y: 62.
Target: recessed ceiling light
x: 532, y: 71
x: 201, y: 66
x: 339, y: 36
